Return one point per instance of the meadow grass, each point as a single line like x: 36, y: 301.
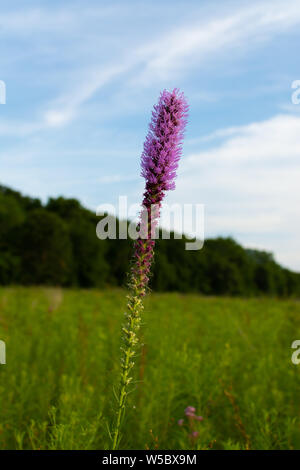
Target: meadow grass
x: 230, y: 358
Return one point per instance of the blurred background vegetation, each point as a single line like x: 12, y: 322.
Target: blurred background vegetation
x: 56, y: 244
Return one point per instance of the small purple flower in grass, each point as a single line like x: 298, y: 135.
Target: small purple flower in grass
x: 191, y: 425
x: 190, y: 411
x: 180, y: 422
x: 161, y: 153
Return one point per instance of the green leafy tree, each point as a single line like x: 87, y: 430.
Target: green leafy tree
x: 46, y: 249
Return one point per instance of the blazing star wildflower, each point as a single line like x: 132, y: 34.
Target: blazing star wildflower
x: 161, y: 153
x: 180, y: 422
x: 159, y: 162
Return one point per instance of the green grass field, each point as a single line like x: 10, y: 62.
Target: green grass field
x: 229, y: 358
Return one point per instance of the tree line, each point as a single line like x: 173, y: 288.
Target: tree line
x: 56, y: 244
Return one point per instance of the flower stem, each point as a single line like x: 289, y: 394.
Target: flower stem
x: 162, y: 150
x: 130, y: 340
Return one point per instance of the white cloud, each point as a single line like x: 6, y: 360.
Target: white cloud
x: 249, y: 184
x: 275, y: 138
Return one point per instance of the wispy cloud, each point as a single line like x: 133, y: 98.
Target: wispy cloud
x: 65, y: 108
x: 190, y: 45
x: 174, y: 52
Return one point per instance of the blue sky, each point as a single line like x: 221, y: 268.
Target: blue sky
x: 82, y: 77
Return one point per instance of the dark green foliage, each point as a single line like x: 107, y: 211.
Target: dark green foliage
x: 56, y: 244
x: 45, y: 249
x: 89, y: 265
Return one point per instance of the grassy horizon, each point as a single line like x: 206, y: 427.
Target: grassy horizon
x: 228, y: 357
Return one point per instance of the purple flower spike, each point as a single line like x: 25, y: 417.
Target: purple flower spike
x: 161, y: 153
x: 180, y: 422
x: 199, y: 418
x: 195, y: 434
x: 162, y: 148
x: 160, y: 156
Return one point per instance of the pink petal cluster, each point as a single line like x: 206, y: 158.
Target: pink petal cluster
x: 190, y: 412
x: 162, y: 151
x: 162, y: 148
